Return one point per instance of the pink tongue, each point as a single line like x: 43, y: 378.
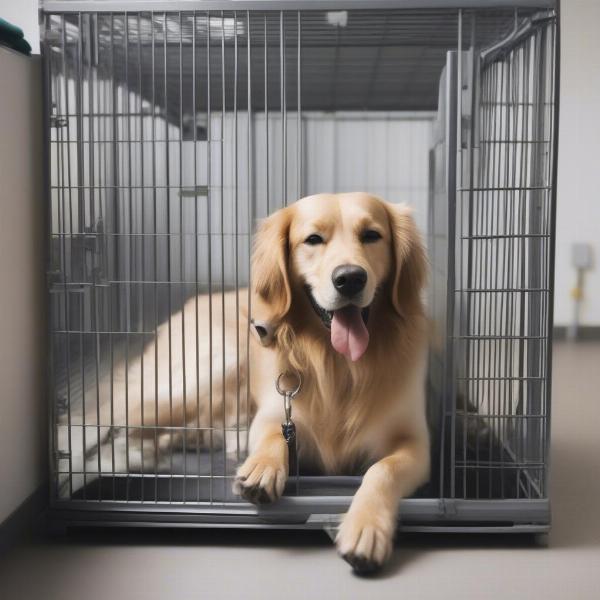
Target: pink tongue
x: 349, y: 336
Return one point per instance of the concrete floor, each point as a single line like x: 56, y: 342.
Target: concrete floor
x: 231, y: 564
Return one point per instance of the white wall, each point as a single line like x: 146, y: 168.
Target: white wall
x: 23, y: 422
x: 24, y: 14
x: 578, y: 210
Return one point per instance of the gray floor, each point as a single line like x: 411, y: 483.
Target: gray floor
x: 231, y: 564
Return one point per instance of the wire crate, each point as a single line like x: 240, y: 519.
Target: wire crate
x: 172, y: 127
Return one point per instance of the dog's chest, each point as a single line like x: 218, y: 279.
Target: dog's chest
x: 341, y: 435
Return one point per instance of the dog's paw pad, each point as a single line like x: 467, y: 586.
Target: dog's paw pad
x: 252, y: 493
x: 365, y: 542
x: 362, y: 565
x: 259, y: 481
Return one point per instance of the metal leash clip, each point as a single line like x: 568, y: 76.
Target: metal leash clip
x: 288, y: 428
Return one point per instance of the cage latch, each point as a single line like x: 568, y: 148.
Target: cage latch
x: 58, y: 121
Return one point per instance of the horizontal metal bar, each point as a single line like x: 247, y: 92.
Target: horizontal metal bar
x: 423, y: 511
x: 470, y: 415
x: 131, y: 187
x: 183, y: 234
x: 506, y: 189
x: 379, y: 116
x: 500, y: 337
x: 501, y: 290
x: 451, y: 528
x: 151, y: 475
x: 134, y: 428
x: 133, y: 140
x: 500, y: 379
x: 514, y: 141
x: 505, y: 236
x: 119, y: 6
x: 502, y: 465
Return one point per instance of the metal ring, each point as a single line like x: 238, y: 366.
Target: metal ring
x: 293, y: 392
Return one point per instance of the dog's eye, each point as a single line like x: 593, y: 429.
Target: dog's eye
x: 369, y: 236
x: 313, y: 239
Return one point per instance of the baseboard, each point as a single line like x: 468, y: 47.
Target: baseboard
x: 584, y: 333
x: 25, y: 520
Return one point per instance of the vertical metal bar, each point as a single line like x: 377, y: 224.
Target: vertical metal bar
x: 222, y: 225
x: 55, y: 149
x: 64, y: 232
x: 94, y: 298
x: 483, y: 344
x: 505, y: 311
x: 460, y: 220
x: 81, y: 227
x: 143, y: 254
x: 450, y: 171
x: 209, y: 258
x: 182, y: 258
x: 475, y: 81
x: 554, y: 131
x: 486, y: 254
x: 80, y: 134
x: 498, y: 297
x: 250, y: 219
x: 266, y: 66
x: 282, y: 108
x: 196, y: 265
x: 51, y: 87
x: 169, y: 233
x: 537, y: 246
x: 487, y: 244
x: 155, y: 254
x: 236, y: 237
x: 130, y: 276
x: 454, y: 147
x: 299, y: 111
x: 115, y: 182
x: 522, y: 259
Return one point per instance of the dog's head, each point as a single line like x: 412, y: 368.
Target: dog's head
x: 341, y: 252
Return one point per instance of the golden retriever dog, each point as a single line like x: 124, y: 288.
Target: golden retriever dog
x: 340, y: 278
x: 335, y: 296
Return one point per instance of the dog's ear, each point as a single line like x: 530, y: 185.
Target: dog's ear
x: 410, y: 266
x: 270, y: 281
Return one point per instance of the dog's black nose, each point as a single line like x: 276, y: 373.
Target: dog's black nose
x: 349, y: 280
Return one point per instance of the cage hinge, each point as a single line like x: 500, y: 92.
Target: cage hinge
x: 58, y: 121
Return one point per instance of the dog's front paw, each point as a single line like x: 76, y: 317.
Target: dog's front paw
x: 365, y: 541
x: 260, y: 480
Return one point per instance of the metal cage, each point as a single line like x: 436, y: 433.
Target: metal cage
x: 172, y: 127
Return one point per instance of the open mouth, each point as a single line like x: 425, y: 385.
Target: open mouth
x: 348, y: 325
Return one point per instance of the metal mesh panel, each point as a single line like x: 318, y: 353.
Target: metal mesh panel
x: 171, y: 132
x: 502, y: 271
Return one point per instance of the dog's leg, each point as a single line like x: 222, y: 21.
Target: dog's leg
x: 263, y: 475
x: 367, y: 531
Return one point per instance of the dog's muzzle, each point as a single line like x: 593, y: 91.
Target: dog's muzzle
x: 327, y: 315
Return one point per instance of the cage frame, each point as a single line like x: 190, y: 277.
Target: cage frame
x: 443, y: 514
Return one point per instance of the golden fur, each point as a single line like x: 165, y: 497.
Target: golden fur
x: 349, y: 415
